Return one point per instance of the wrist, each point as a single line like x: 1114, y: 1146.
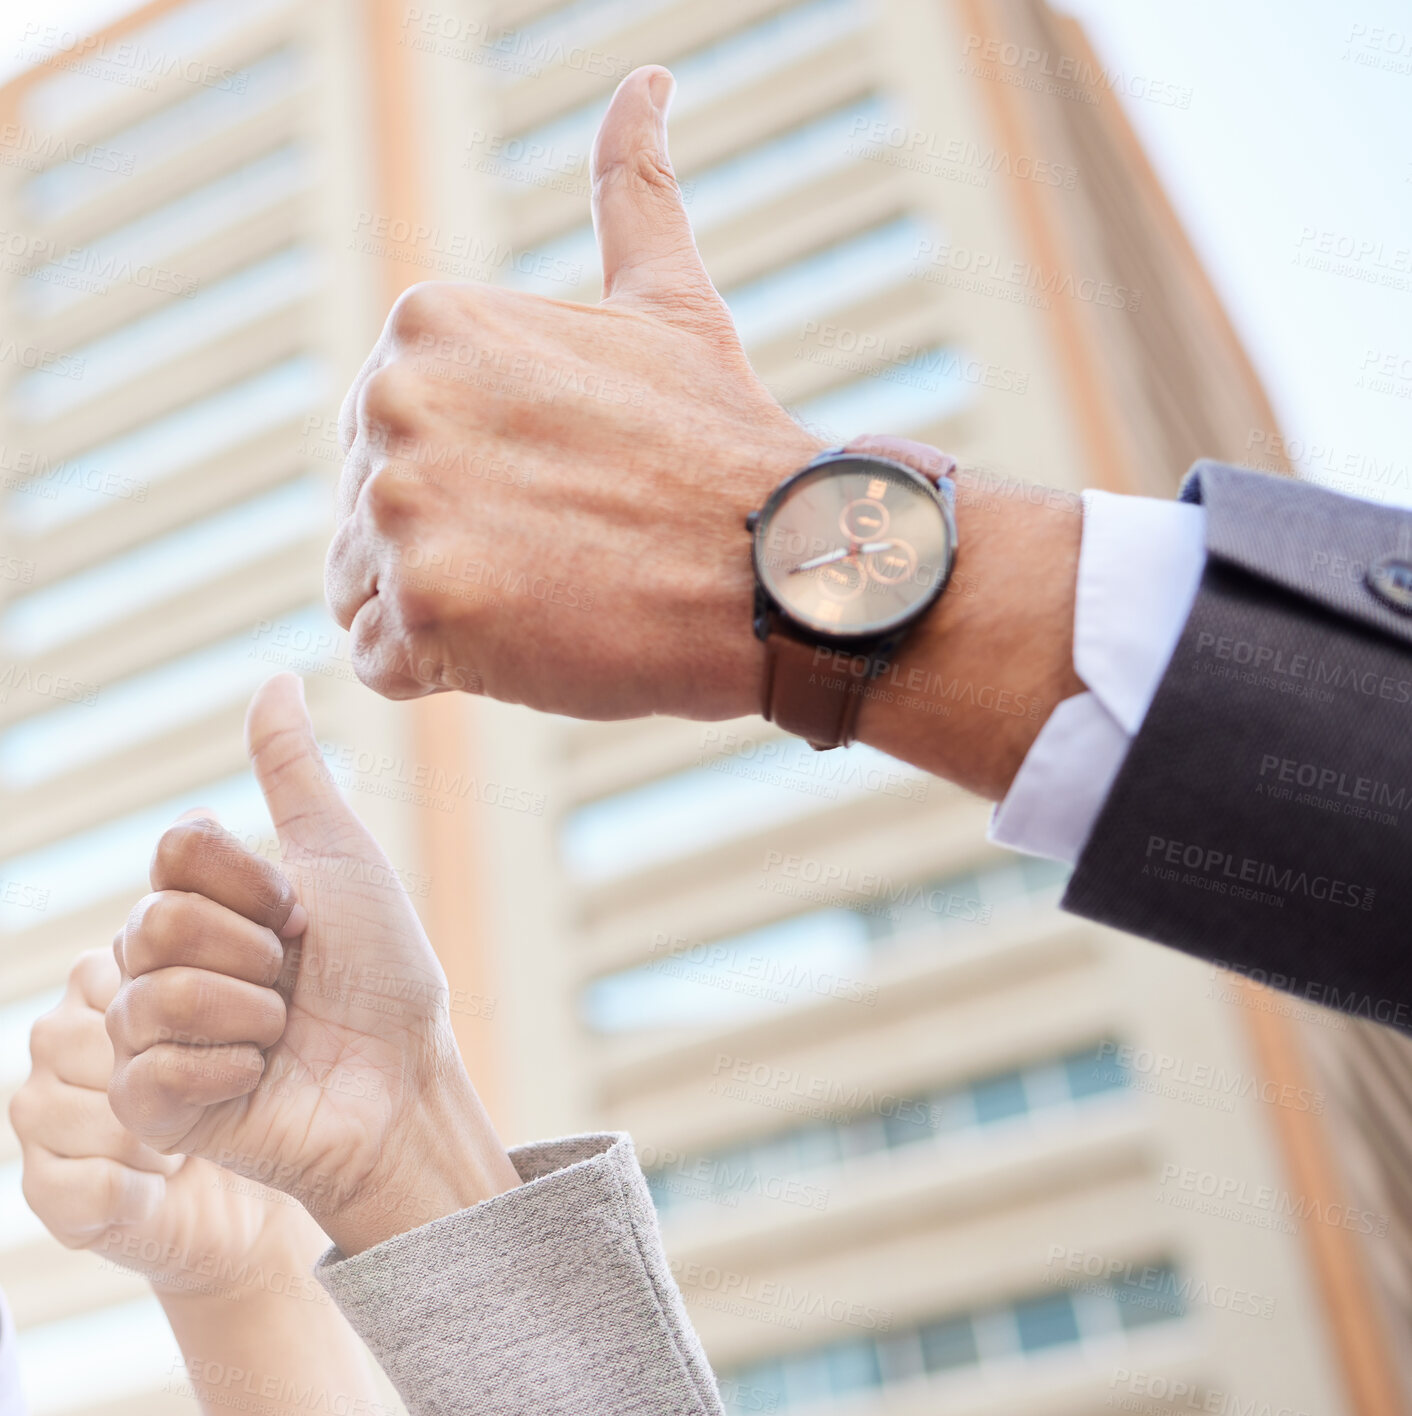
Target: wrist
x: 443, y: 1157
x: 975, y: 680
x: 277, y: 1272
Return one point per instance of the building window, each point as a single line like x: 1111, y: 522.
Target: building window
x: 179, y: 128
x: 562, y: 146
x: 767, y: 172
x: 177, y: 329
x: 181, y: 36
x: 165, y: 567
x: 105, y: 860
x: 125, y: 468
x: 955, y: 1345
x: 788, y: 1162
x: 905, y: 397
x: 135, y: 253
x: 827, y: 280
x: 823, y: 953
x: 149, y: 705
x: 765, y: 783
x: 581, y: 24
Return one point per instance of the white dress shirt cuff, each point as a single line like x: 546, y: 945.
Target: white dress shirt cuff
x: 1140, y: 564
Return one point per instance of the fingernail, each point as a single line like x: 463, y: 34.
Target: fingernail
x: 296, y: 924
x: 660, y: 87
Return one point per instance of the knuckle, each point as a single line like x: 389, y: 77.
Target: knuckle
x: 417, y: 313
x: 184, y: 850
x: 391, y: 501
x: 182, y: 1000
x: 117, y: 1020
x: 46, y: 1036
x: 387, y: 404
x: 23, y: 1110
x: 419, y: 606
x: 94, y: 974
x: 155, y: 929
x: 641, y: 169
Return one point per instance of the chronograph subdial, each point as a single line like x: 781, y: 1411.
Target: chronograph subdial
x: 865, y: 519
x: 894, y: 562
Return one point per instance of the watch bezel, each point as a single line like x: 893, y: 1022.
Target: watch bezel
x: 822, y: 463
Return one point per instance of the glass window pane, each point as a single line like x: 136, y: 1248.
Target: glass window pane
x: 125, y: 467
x: 1149, y: 1296
x: 541, y: 43
x: 722, y: 192
x: 760, y: 1388
x: 1095, y: 1070
x: 703, y: 77
x: 905, y: 397
x: 1046, y: 1322
x: 821, y: 954
x: 949, y: 1343
x: 179, y: 327
x: 164, y: 567
x: 830, y: 279
x: 705, y: 806
x: 147, y: 705
x: 137, y: 251
x: 173, y: 42
x: 94, y: 864
x: 998, y: 1098
x: 912, y: 1120
x: 180, y: 127
x: 853, y: 1366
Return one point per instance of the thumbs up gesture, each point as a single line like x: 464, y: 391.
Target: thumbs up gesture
x: 544, y: 501
x: 291, y: 1024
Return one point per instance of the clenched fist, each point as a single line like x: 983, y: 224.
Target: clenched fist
x: 545, y: 501
x: 230, y: 1260
x: 180, y: 1222
x: 291, y: 1024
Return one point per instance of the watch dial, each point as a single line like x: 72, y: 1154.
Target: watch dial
x: 855, y: 547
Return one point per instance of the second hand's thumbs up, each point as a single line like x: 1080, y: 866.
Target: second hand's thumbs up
x: 306, y: 807
x: 644, y: 235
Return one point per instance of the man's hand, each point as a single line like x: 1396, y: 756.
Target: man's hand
x: 180, y: 1222
x: 544, y: 501
x: 293, y: 1027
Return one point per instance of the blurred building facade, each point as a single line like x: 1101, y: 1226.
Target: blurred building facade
x: 919, y: 1141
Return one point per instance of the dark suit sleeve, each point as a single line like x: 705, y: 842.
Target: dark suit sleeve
x: 1263, y: 816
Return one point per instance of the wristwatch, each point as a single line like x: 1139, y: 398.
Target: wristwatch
x: 849, y: 553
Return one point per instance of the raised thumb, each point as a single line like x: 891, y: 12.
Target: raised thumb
x: 644, y: 237
x: 306, y: 807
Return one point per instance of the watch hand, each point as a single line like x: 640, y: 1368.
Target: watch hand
x: 828, y: 558
x: 843, y: 553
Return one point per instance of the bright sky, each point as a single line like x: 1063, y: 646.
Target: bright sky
x: 1298, y: 135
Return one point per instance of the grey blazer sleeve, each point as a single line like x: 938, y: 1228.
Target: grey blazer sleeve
x: 1263, y: 816
x: 550, y: 1300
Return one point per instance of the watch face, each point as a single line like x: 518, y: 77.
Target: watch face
x: 855, y: 547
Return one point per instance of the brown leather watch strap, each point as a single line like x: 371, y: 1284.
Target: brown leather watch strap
x: 813, y: 690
